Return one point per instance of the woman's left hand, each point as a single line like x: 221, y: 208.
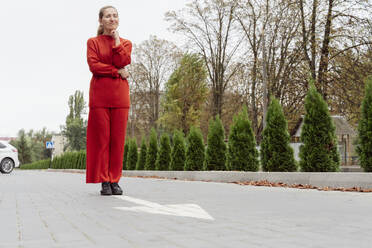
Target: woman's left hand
x: 124, y: 73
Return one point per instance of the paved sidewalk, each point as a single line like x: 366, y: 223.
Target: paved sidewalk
x: 55, y: 209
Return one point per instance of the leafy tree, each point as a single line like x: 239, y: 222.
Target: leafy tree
x: 364, y: 147
x: 276, y: 153
x: 22, y: 143
x: 142, y: 156
x: 319, y: 150
x: 164, y: 155
x: 33, y: 143
x: 186, y: 92
x: 215, y: 157
x: 75, y: 128
x: 38, y: 140
x: 242, y: 152
x: 125, y: 158
x: 195, y: 151
x: 132, y: 154
x: 152, y: 151
x: 178, y: 155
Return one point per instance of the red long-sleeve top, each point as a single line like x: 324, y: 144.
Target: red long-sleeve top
x: 107, y: 88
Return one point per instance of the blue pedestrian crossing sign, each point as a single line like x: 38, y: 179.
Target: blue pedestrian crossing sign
x: 49, y: 144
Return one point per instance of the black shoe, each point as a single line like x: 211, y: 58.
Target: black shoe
x: 106, y: 189
x: 116, y: 190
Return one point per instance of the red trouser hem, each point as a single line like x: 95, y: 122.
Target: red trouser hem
x: 105, y: 144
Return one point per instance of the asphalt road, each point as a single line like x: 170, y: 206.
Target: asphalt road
x: 56, y: 209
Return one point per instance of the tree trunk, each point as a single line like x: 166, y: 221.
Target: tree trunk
x: 310, y: 60
x: 323, y: 64
x: 313, y: 40
x: 253, y: 95
x: 217, y: 101
x: 157, y: 96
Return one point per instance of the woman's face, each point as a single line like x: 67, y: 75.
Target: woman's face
x: 110, y: 19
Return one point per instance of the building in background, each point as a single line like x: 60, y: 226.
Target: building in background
x: 346, y: 136
x: 59, y: 143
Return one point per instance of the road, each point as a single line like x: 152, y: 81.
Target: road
x: 56, y: 209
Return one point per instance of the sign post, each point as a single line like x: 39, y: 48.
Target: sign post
x: 50, y: 145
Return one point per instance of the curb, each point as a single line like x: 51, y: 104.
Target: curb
x: 345, y: 180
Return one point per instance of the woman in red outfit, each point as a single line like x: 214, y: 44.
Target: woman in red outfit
x: 107, y: 55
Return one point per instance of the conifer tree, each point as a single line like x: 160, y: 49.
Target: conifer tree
x: 276, y: 153
x: 364, y: 147
x: 126, y: 147
x: 242, y: 152
x: 215, y: 156
x: 132, y: 154
x: 178, y: 155
x: 319, y: 150
x: 164, y: 154
x: 142, y: 156
x: 195, y: 151
x: 152, y: 151
x: 24, y: 147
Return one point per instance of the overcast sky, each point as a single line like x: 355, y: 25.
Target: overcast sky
x: 43, y: 53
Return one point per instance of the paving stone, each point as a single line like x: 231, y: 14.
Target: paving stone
x: 55, y: 209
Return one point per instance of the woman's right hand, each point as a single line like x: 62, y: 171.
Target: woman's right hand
x: 123, y: 73
x: 115, y: 35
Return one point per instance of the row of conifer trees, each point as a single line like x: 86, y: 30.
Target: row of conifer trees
x: 317, y: 154
x: 192, y: 154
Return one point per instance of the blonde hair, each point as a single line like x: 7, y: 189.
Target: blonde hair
x: 100, y: 15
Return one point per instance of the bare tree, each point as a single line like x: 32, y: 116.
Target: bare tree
x: 152, y: 63
x: 210, y: 29
x: 251, y: 18
x: 283, y: 62
x: 327, y: 39
x: 330, y: 28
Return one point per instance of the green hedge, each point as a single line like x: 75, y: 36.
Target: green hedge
x: 70, y: 160
x: 41, y: 164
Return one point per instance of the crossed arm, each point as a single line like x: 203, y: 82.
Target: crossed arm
x: 121, y: 58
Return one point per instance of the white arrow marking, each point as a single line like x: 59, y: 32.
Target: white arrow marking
x: 186, y: 210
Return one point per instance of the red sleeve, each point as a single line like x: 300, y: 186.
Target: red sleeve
x: 96, y: 67
x: 121, y: 54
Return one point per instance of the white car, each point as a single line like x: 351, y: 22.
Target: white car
x: 8, y: 157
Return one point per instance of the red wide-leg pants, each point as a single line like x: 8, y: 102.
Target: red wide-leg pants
x: 105, y: 144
